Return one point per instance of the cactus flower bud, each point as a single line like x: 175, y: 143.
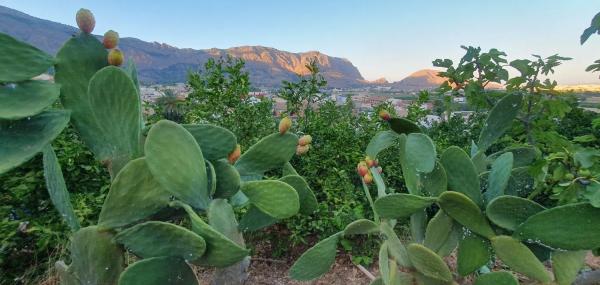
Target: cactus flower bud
x: 111, y: 39
x: 368, y: 178
x: 284, y: 125
x: 362, y: 169
x: 384, y: 115
x: 115, y: 57
x: 370, y: 162
x: 235, y: 154
x: 305, y: 140
x: 302, y: 149
x: 85, y: 20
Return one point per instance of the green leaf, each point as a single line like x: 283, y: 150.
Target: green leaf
x: 255, y: 219
x: 592, y: 193
x: 499, y: 176
x: 566, y: 265
x: 587, y: 33
x: 215, y: 142
x: 435, y: 182
x: 175, y: 241
x: 519, y: 258
x: 403, y: 126
x: 522, y: 156
x: 21, y: 61
x: 24, y: 138
x: 473, y: 253
x: 497, y: 278
x: 361, y: 227
x: 428, y: 263
x: 269, y: 153
x: 57, y: 188
x: 464, y: 211
x: 316, y: 261
x: 500, y: 119
x: 222, y: 218
x: 461, y: 173
x: 220, y: 250
x: 308, y: 201
x: 569, y: 227
x: 95, y: 258
x: 176, y: 162
x: 77, y: 61
x: 26, y: 98
x: 114, y: 101
x: 134, y: 195
x: 511, y: 211
x: 275, y: 198
x: 420, y: 152
x: 158, y: 271
x: 439, y: 230
x: 228, y: 179
x: 381, y: 141
x: 401, y: 205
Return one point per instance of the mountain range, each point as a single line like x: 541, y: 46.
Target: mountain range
x: 162, y: 63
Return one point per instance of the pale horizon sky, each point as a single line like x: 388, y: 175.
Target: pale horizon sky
x: 381, y: 38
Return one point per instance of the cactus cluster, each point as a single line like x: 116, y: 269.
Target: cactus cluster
x: 470, y: 203
x: 160, y: 174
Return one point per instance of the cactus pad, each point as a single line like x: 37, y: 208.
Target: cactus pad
x: 401, y: 205
x: 420, y: 152
x: 510, y: 211
x: 428, y: 263
x: 361, y: 227
x: 519, y: 258
x: 158, y: 271
x: 269, y: 153
x: 21, y: 61
x: 464, y: 211
x: 26, y: 98
x: 57, y: 188
x: 315, y: 261
x: 308, y: 201
x: 461, y: 173
x: 215, y: 142
x: 275, y: 198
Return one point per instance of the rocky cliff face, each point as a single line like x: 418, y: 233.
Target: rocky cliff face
x: 422, y: 79
x: 161, y: 63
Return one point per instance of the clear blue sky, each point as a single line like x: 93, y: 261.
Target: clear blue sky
x: 382, y: 38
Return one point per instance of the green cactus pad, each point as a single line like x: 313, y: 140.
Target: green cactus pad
x: 411, y: 177
x: 174, y: 240
x: 511, y: 211
x: 451, y: 242
x: 523, y: 155
x: 77, y: 61
x: 24, y: 138
x: 220, y: 250
x: 134, y: 195
x: 65, y: 277
x: 95, y: 258
x: 438, y: 231
x: 384, y: 263
x: 308, y: 201
x: 255, y: 219
x: 497, y: 278
x: 378, y: 281
x: 435, y: 182
x: 473, y: 253
x: 315, y: 261
x: 519, y: 258
x: 403, y: 126
x: 566, y: 265
x: 159, y: 271
x: 57, y: 188
x: 215, y: 142
x: 400, y: 205
x: 26, y: 98
x: 21, y: 61
x: 420, y: 279
x: 569, y: 227
x: 382, y: 140
x: 428, y: 262
x: 275, y: 198
x: 211, y: 177
x: 114, y: 101
x: 269, y: 153
x: 499, y: 120
x: 420, y: 152
x: 521, y: 183
x: 480, y: 162
x: 228, y: 179
x: 464, y: 211
x: 177, y: 163
x: 461, y: 173
x: 361, y: 227
x: 222, y: 218
x: 418, y: 224
x: 288, y: 169
x: 395, y: 246
x: 499, y: 176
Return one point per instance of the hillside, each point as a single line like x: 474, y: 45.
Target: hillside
x: 162, y: 63
x: 422, y: 79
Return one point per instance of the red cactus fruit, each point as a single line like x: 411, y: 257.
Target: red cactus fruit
x: 111, y: 39
x: 284, y: 125
x: 115, y: 57
x: 85, y: 20
x: 235, y: 154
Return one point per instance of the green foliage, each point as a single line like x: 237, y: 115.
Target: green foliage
x: 302, y: 96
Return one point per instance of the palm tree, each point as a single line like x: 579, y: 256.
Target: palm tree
x: 171, y: 106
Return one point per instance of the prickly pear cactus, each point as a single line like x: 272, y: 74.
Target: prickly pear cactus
x: 174, y: 172
x: 478, y: 214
